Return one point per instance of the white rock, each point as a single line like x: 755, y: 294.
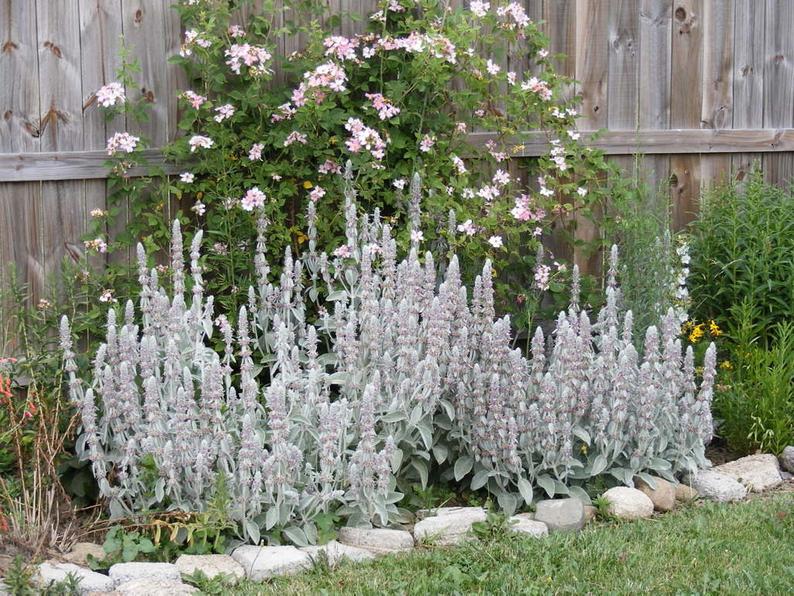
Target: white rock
x: 335, y: 551
x: 718, y: 487
x: 125, y: 572
x: 451, y: 525
x: 662, y: 496
x: 523, y: 523
x: 262, y: 562
x: 787, y: 459
x: 155, y: 587
x: 561, y: 515
x: 90, y: 581
x: 80, y: 551
x: 757, y: 472
x: 377, y: 540
x: 628, y: 503
x: 211, y: 566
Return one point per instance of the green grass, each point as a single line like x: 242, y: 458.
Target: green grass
x: 704, y: 549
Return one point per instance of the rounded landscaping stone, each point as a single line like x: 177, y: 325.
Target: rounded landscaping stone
x: 90, y: 581
x: 787, y: 459
x: 377, y: 540
x: 524, y: 523
x: 757, y: 472
x: 589, y: 513
x: 335, y: 551
x: 155, y: 587
x: 628, y: 503
x: 211, y: 566
x: 718, y: 487
x: 80, y: 551
x: 124, y: 572
x: 561, y: 515
x: 663, y: 496
x: 685, y: 493
x: 450, y: 525
x: 263, y: 562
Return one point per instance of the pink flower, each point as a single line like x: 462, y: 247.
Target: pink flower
x: 417, y: 236
x: 399, y: 184
x: 295, y: 137
x: 122, y: 142
x: 458, y: 163
x: 107, y: 296
x: 427, y: 143
x: 514, y: 15
x: 187, y: 177
x: 254, y: 57
x: 501, y: 178
x: 97, y: 244
x: 364, y: 137
x: 330, y: 167
x: 317, y: 193
x: 236, y: 31
x: 199, y: 141
x: 253, y: 199
x: 199, y: 208
x: 495, y: 241
x: 224, y: 112
x: 492, y: 68
x: 535, y: 85
x: 111, y: 95
x: 343, y: 252
x: 343, y: 48
x: 386, y: 109
x: 194, y: 99
x: 542, y: 276
x: 581, y: 191
x: 255, y: 153
x: 480, y: 9
x: 285, y: 112
x: 467, y: 227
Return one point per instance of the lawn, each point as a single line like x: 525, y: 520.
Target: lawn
x: 703, y: 549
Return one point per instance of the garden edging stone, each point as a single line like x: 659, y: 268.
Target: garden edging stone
x: 561, y: 515
x: 263, y: 562
x: 525, y: 523
x: 335, y: 552
x: 713, y: 485
x: 90, y: 581
x: 756, y: 472
x: 211, y: 566
x: 787, y: 459
x: 662, y: 496
x: 124, y: 572
x: 628, y: 503
x: 450, y: 525
x: 155, y: 587
x: 377, y: 540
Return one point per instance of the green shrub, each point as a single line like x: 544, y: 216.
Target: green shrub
x: 743, y: 249
x: 755, y: 405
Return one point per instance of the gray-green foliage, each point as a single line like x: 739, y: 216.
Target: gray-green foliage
x: 400, y: 376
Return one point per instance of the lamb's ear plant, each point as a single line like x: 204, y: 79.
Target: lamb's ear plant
x: 401, y: 378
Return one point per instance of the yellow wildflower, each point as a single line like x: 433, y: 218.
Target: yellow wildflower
x: 307, y: 184
x: 714, y: 329
x: 697, y: 333
x: 726, y: 365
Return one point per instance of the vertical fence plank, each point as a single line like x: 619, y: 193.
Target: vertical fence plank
x: 60, y: 83
x: 654, y: 84
x: 779, y: 83
x: 685, y: 104
x: 19, y: 132
x: 144, y: 24
x: 717, y: 105
x: 748, y: 75
x: 592, y: 69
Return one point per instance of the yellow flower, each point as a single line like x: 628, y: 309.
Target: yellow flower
x: 714, y: 329
x: 307, y: 184
x: 696, y: 334
x: 726, y: 365
x: 301, y: 237
x: 583, y: 449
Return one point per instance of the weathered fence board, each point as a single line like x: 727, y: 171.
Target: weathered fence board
x: 702, y: 88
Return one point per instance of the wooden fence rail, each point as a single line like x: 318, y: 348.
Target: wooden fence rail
x: 702, y: 88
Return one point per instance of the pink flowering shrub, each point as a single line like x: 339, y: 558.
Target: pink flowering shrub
x: 398, y: 99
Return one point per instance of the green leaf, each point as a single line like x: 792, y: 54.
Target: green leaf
x: 463, y: 466
x: 480, y: 479
x: 296, y: 535
x: 546, y: 483
x: 525, y: 488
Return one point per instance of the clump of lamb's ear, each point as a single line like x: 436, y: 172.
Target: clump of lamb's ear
x: 390, y: 378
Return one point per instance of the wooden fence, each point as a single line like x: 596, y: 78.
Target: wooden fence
x: 701, y: 88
